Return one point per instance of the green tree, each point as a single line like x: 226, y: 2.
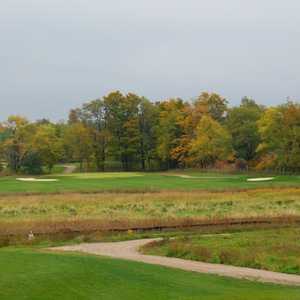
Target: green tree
x: 242, y: 125
x: 94, y: 115
x: 32, y: 163
x: 123, y: 124
x: 122, y: 128
x: 147, y: 121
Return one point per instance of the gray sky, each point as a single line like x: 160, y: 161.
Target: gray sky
x: 55, y: 55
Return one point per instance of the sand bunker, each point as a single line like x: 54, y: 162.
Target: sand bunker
x: 261, y: 179
x: 185, y: 176
x: 36, y: 180
x: 205, y: 177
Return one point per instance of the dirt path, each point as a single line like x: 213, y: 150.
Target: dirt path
x: 68, y: 169
x: 129, y: 250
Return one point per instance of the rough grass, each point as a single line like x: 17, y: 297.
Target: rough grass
x: 82, y: 212
x: 95, y: 182
x: 203, y: 205
x: 273, y: 249
x: 29, y: 275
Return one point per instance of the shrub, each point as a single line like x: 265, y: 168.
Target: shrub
x: 250, y: 260
x: 294, y: 269
x: 229, y: 256
x: 241, y: 165
x: 201, y: 253
x: 176, y: 249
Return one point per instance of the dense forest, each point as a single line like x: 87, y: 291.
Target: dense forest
x: 129, y: 132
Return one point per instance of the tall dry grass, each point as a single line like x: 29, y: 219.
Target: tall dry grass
x: 122, y: 211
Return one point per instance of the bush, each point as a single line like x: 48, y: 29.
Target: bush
x: 201, y: 253
x: 241, y: 164
x: 229, y: 256
x: 293, y: 269
x: 176, y: 249
x: 250, y: 260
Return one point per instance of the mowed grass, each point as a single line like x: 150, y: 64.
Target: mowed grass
x: 270, y: 249
x: 27, y: 274
x: 130, y: 181
x: 49, y: 213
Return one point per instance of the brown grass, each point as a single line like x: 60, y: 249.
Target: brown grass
x: 81, y: 226
x: 122, y: 211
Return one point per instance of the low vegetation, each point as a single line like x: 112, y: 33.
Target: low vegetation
x: 273, y: 249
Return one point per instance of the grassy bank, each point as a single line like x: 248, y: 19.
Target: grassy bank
x: 27, y: 274
x: 273, y: 249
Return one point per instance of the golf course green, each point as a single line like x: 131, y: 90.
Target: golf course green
x: 134, y: 181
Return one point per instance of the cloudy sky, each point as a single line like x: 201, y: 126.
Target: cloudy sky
x: 54, y: 54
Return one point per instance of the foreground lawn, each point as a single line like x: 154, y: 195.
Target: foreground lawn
x: 50, y: 213
x: 25, y: 274
x: 142, y: 182
x: 272, y: 249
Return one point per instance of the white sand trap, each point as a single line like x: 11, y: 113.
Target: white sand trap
x: 261, y: 179
x: 36, y: 180
x: 205, y: 177
x: 185, y: 176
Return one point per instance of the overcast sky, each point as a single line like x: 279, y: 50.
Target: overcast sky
x: 55, y: 55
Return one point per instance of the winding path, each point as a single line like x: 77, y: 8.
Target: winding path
x: 129, y: 250
x: 68, y: 169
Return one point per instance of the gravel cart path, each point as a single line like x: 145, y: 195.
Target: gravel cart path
x: 129, y: 250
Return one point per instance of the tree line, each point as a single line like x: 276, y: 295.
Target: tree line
x: 129, y: 132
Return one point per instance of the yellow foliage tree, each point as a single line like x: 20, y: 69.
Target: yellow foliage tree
x: 211, y: 143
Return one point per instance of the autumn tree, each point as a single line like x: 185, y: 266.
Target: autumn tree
x: 3, y: 137
x: 169, y: 131
x: 131, y: 132
x: 212, y: 143
x: 79, y: 143
x: 46, y: 144
x: 212, y: 104
x: 279, y: 128
x: 15, y: 143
